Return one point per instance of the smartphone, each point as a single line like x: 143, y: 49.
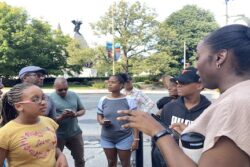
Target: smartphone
x: 172, y: 131
x: 68, y: 110
x: 107, y: 122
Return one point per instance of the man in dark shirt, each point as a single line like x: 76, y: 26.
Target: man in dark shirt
x: 186, y: 108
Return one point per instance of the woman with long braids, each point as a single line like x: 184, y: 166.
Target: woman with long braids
x: 29, y: 139
x: 116, y: 140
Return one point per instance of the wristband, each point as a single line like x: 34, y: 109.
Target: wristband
x: 160, y: 134
x: 136, y: 139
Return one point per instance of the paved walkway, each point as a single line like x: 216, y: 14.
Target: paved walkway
x: 95, y: 157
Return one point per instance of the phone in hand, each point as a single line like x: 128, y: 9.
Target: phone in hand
x: 68, y: 110
x: 106, y: 122
x: 172, y: 131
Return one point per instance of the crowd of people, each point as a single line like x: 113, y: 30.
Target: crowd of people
x: 187, y: 129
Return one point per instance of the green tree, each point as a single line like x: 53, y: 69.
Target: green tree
x: 25, y: 41
x: 134, y: 27
x: 157, y: 64
x: 190, y: 24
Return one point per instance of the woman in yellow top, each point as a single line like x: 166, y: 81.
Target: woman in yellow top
x: 30, y: 139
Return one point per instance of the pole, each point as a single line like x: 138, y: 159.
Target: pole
x: 184, y: 55
x: 227, y: 11
x: 113, y: 40
x: 139, y: 152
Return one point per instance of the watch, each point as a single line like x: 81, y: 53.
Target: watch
x: 160, y: 134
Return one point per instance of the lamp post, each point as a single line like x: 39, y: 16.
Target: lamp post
x: 227, y: 17
x: 113, y: 40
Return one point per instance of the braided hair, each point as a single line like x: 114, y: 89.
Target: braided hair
x: 9, y: 111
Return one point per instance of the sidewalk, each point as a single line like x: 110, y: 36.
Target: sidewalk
x: 95, y: 156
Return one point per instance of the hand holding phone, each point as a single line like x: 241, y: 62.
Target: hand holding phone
x: 106, y: 122
x: 68, y: 113
x: 172, y: 131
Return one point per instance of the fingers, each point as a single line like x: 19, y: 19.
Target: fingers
x: 128, y: 112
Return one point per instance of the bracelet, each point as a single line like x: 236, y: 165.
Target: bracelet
x: 161, y: 134
x: 136, y: 139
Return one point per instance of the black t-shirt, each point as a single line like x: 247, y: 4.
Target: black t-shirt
x: 160, y: 103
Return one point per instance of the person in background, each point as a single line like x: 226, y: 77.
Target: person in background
x: 171, y: 85
x: 1, y: 87
x: 30, y: 139
x: 33, y: 75
x: 185, y: 109
x: 144, y: 103
x: 68, y: 108
x: 223, y: 62
x: 1, y: 92
x: 116, y: 140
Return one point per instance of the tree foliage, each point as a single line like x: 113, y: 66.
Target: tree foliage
x: 134, y: 27
x: 190, y: 24
x: 25, y: 41
x: 157, y: 64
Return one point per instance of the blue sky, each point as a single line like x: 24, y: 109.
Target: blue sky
x: 63, y: 11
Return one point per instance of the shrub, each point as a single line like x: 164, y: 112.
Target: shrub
x: 147, y: 82
x: 99, y: 85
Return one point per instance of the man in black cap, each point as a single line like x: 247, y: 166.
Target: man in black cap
x: 186, y: 108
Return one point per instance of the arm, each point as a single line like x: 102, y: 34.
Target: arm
x: 3, y: 154
x: 136, y: 139
x: 61, y: 160
x: 224, y: 154
x: 100, y: 119
x: 80, y: 113
x: 80, y: 108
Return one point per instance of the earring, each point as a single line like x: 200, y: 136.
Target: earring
x: 218, y: 65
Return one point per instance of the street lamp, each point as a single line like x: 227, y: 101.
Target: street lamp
x: 227, y: 17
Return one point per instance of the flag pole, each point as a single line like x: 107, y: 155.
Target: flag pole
x: 113, y: 41
x: 184, y: 55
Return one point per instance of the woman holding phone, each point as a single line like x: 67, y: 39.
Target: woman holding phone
x: 115, y: 139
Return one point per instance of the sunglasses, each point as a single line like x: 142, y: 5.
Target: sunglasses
x: 39, y: 75
x: 61, y: 90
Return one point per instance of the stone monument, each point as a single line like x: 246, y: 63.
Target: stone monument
x: 78, y: 36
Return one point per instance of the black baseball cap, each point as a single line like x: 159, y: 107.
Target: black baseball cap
x: 188, y: 75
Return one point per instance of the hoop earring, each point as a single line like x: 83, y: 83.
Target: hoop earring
x: 218, y: 66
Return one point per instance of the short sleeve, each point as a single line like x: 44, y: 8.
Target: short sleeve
x: 4, y: 138
x: 52, y: 111
x: 100, y: 106
x: 51, y: 122
x: 233, y: 122
x: 132, y: 103
x: 79, y: 103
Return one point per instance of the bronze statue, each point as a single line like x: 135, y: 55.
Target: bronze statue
x: 77, y: 25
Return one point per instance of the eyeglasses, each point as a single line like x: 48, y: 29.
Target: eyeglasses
x: 39, y: 75
x: 61, y: 90
x: 36, y: 100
